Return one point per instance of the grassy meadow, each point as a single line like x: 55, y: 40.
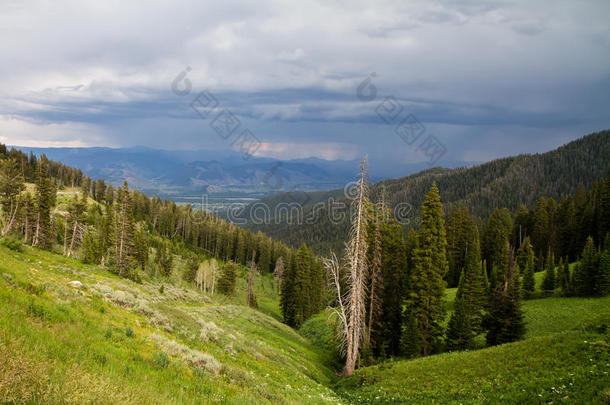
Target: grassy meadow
x: 114, y: 341
x: 111, y: 340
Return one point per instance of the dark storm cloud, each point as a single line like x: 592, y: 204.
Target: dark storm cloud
x: 475, y: 73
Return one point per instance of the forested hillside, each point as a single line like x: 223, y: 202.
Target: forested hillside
x: 54, y: 207
x: 503, y: 183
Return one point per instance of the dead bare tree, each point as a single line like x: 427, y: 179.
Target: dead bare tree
x: 278, y: 270
x: 352, y: 311
x: 251, y: 297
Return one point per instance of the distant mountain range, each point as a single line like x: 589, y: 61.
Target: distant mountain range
x: 182, y: 172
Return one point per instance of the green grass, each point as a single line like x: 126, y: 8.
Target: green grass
x: 564, y: 358
x: 115, y: 341
x: 571, y: 367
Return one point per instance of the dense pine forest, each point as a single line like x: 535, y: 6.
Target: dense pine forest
x: 502, y: 183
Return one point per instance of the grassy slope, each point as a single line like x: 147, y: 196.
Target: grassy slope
x: 565, y: 358
x: 65, y: 344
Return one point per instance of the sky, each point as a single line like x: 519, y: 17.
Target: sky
x: 331, y: 79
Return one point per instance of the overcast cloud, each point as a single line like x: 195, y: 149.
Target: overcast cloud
x: 486, y: 78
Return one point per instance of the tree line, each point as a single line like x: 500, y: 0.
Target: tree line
x: 117, y: 227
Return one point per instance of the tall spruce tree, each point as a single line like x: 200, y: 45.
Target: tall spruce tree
x: 393, y: 273
x: 603, y: 283
x: 45, y: 198
x: 499, y: 228
x: 470, y: 301
x: 586, y: 272
x: 564, y: 276
x: 228, y: 276
x: 504, y: 321
x: 548, y: 282
x: 11, y: 185
x: 526, y: 261
x: 426, y: 288
x: 124, y: 233
x: 460, y: 227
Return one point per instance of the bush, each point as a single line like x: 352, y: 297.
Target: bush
x: 12, y: 242
x: 128, y: 331
x: 161, y: 360
x: 209, y: 332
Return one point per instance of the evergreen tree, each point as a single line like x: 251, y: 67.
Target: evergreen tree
x: 287, y: 295
x: 427, y: 287
x: 526, y: 261
x: 252, y: 303
x: 540, y: 231
x: 124, y: 233
x: 140, y: 247
x: 499, y: 228
x: 470, y: 301
x: 11, y: 185
x: 302, y: 286
x: 91, y: 247
x: 460, y: 227
x: 45, y: 198
x: 264, y: 256
x: 564, y: 276
x: 164, y: 259
x: 228, y: 276
x: 100, y: 190
x: 393, y: 265
x: 603, y: 283
x: 74, y: 222
x: 586, y: 272
x: 505, y: 322
x: 548, y: 283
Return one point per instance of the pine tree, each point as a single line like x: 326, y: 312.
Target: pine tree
x: 459, y: 333
x: 564, y: 276
x: 287, y: 296
x: 264, y: 256
x: 302, y: 286
x: 499, y: 228
x: 505, y: 322
x: 252, y: 303
x: 586, y: 271
x: 427, y: 287
x: 540, y: 231
x: 526, y: 261
x: 603, y: 282
x: 140, y: 247
x: 11, y: 185
x: 124, y: 233
x: 460, y: 228
x: 470, y: 301
x: 164, y: 259
x: 548, y: 283
x: 228, y: 276
x: 45, y: 197
x: 76, y: 208
x: 393, y: 272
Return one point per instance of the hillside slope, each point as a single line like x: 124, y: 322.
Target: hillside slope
x: 115, y: 341
x: 501, y: 183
